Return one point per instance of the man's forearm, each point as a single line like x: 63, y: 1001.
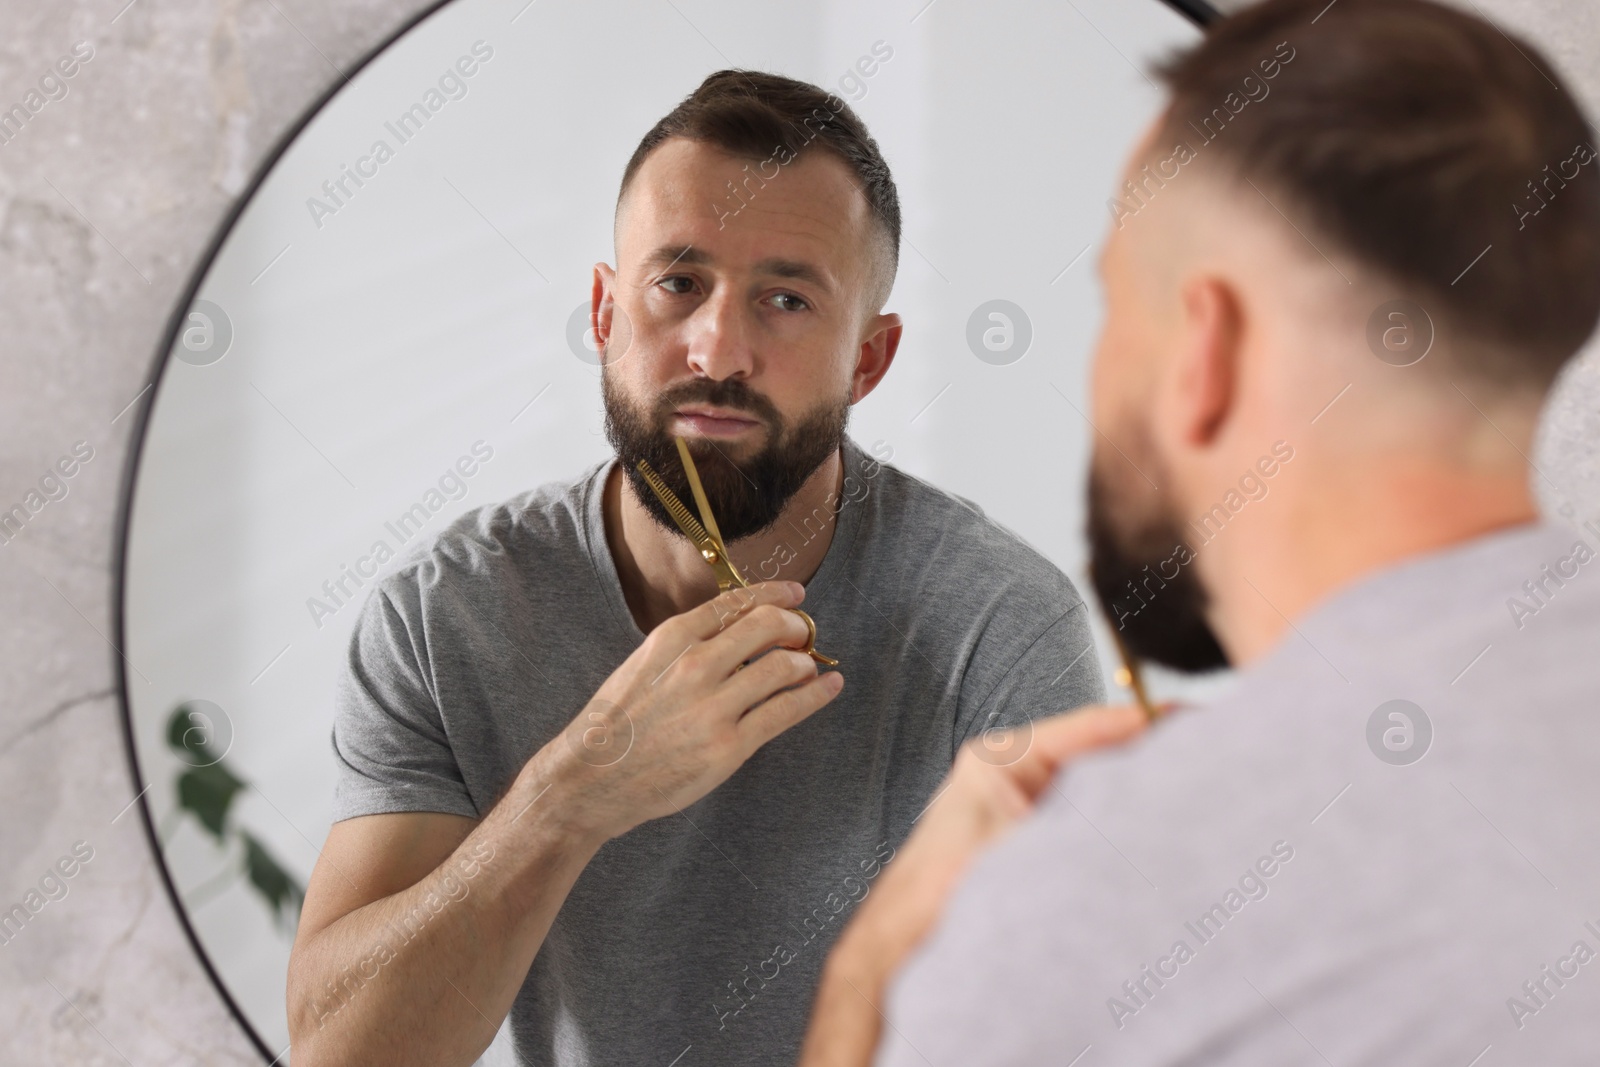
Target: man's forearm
x: 425, y: 975
x: 667, y: 726
x: 846, y: 1017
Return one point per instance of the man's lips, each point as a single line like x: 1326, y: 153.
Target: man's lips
x: 713, y: 422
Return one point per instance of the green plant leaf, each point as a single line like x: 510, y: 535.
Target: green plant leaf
x: 280, y: 888
x: 208, y: 792
x: 188, y: 731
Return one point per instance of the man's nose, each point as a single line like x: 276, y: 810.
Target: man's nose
x: 720, y: 338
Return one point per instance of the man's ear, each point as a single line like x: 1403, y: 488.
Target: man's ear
x: 601, y: 303
x: 1207, y: 360
x: 877, y: 352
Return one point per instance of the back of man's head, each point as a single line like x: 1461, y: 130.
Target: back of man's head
x: 1364, y: 236
x: 1416, y: 139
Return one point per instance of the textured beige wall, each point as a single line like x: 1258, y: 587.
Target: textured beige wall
x: 106, y: 200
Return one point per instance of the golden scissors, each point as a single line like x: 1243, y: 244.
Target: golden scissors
x: 708, y: 539
x: 1129, y: 677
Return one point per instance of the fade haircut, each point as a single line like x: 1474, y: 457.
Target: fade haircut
x: 1413, y: 137
x: 755, y: 115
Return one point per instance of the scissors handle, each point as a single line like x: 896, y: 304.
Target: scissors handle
x: 811, y: 641
x: 811, y: 626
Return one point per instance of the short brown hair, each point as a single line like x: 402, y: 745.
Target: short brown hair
x: 1414, y: 137
x: 754, y: 115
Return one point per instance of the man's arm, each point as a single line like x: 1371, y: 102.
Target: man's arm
x: 979, y: 801
x: 418, y: 930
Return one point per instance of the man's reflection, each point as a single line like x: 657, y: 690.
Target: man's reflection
x: 560, y: 796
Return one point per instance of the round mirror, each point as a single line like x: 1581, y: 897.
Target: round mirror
x: 393, y: 329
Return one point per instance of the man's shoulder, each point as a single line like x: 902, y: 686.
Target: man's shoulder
x: 949, y: 537
x: 505, y: 541
x: 1430, y: 639
x: 1309, y: 780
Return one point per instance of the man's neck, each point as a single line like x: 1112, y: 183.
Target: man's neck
x: 663, y: 575
x: 1264, y: 574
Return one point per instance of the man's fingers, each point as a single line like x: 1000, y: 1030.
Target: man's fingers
x: 763, y: 627
x: 778, y: 669
x: 694, y: 639
x: 772, y: 717
x: 1062, y: 737
x: 724, y: 609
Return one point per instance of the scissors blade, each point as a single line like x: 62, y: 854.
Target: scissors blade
x: 710, y: 548
x: 1132, y: 677
x: 698, y: 490
x: 710, y: 543
x: 686, y: 522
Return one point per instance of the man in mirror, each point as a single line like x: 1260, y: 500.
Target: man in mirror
x: 1378, y: 845
x: 579, y: 787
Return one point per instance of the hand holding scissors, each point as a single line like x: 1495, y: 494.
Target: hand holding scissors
x: 708, y: 539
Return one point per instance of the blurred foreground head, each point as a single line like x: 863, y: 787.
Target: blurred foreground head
x: 1344, y: 269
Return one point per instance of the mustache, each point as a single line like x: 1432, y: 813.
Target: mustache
x: 729, y: 393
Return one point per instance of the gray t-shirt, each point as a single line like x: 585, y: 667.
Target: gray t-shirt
x: 702, y: 934
x: 1269, y: 881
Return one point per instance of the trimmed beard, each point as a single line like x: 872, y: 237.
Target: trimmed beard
x: 746, y: 496
x: 1159, y: 618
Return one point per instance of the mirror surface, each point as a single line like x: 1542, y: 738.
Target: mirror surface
x: 344, y: 352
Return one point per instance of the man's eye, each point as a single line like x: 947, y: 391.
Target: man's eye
x: 672, y: 283
x: 789, y: 302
